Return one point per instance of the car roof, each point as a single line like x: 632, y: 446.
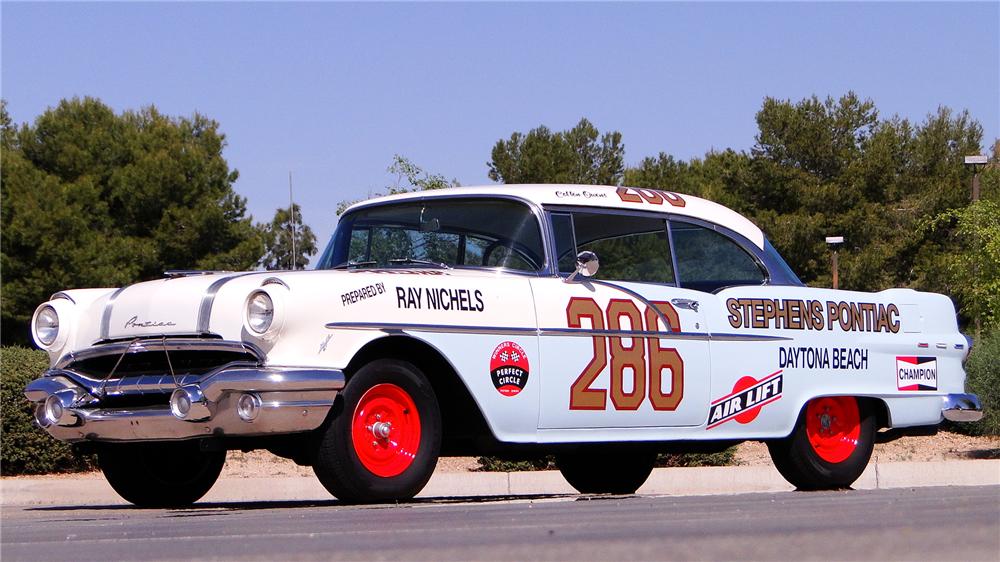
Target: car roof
x: 603, y: 196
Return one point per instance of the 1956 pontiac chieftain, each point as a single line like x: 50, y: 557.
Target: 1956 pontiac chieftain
x: 477, y: 321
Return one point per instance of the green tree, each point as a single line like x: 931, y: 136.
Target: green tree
x: 580, y: 155
x: 95, y: 199
x: 278, y: 237
x: 833, y: 167
x: 408, y: 177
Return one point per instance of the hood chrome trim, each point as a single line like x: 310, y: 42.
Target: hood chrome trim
x: 205, y: 310
x: 106, y: 316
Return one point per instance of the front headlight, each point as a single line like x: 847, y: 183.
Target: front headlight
x: 260, y: 312
x: 46, y: 326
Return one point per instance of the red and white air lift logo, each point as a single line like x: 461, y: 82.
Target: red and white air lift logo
x: 509, y: 368
x: 743, y: 404
x: 916, y: 373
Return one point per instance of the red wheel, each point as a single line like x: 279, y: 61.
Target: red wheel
x: 833, y: 425
x: 830, y: 445
x: 383, y: 437
x: 386, y: 430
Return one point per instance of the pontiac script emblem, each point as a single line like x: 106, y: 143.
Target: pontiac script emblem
x: 133, y: 322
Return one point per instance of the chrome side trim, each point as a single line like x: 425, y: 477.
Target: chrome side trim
x: 159, y: 344
x: 634, y: 295
x: 572, y: 332
x: 205, y: 309
x: 106, y: 316
x: 437, y: 328
x: 961, y: 407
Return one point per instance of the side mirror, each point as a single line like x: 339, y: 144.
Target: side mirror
x: 586, y: 265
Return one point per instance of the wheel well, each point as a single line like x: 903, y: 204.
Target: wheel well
x: 465, y: 430
x: 881, y: 411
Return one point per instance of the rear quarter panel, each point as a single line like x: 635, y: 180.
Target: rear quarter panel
x: 837, y: 343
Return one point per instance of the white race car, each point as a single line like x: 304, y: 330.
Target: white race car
x: 477, y: 321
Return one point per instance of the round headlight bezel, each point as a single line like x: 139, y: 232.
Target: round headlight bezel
x: 260, y: 313
x: 45, y: 335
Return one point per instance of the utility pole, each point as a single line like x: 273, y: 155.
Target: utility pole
x: 291, y: 210
x: 834, y: 242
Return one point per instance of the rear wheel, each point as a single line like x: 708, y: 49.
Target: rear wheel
x: 160, y: 474
x: 830, y: 446
x: 383, y: 440
x: 606, y: 469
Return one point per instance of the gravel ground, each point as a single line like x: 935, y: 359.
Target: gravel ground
x: 943, y: 446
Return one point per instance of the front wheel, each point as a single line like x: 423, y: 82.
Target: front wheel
x: 606, y: 469
x: 160, y: 474
x: 830, y: 446
x: 383, y: 440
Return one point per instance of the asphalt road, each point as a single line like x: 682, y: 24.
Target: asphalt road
x: 955, y: 523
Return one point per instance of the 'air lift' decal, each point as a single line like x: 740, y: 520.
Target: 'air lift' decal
x: 744, y: 403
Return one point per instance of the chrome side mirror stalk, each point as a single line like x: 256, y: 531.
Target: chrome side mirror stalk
x: 586, y: 265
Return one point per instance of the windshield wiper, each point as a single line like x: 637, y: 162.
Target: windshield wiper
x: 351, y: 264
x: 415, y: 261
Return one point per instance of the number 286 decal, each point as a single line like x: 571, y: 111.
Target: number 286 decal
x: 645, y: 357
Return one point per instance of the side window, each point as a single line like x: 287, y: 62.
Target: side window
x: 708, y: 260
x: 631, y: 248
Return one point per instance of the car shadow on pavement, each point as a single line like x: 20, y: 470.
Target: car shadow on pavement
x: 208, y: 508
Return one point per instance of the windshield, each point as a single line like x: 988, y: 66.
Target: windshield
x: 784, y: 275
x: 438, y: 232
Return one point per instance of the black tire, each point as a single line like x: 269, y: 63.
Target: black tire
x: 606, y: 469
x: 160, y: 474
x: 338, y: 465
x: 804, y: 467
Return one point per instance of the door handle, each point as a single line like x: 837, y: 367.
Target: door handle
x: 685, y: 303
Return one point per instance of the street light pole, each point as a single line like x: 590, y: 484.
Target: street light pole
x: 976, y: 162
x: 835, y: 242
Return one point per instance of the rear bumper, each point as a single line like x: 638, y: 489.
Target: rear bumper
x: 961, y: 407
x: 287, y: 400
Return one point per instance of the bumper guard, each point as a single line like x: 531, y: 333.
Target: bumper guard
x: 234, y: 400
x: 961, y: 408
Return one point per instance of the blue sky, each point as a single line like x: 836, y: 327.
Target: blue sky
x: 332, y: 91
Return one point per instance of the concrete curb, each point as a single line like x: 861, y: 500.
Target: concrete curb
x: 94, y: 490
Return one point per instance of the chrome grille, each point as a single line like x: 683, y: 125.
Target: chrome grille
x: 144, y: 372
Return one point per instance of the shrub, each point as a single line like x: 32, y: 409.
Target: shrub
x: 24, y: 448
x: 983, y: 379
x: 722, y: 458
x: 497, y: 464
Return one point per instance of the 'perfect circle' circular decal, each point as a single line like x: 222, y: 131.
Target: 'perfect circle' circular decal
x: 509, y: 368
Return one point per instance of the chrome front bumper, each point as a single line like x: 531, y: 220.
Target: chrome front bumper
x: 961, y: 408
x: 286, y: 400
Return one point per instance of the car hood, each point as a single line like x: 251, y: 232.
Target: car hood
x: 213, y: 303
x: 180, y: 305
